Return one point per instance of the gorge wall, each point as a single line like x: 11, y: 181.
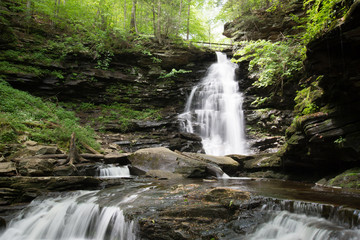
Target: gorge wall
x: 330, y: 139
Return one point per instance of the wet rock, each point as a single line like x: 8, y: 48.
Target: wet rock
x: 7, y: 169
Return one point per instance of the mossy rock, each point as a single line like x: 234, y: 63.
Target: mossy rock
x: 347, y: 179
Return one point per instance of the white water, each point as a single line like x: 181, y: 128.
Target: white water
x: 214, y: 110
x: 290, y: 226
x: 75, y: 216
x: 114, y: 171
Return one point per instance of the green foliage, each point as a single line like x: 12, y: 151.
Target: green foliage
x: 259, y: 101
x: 23, y: 114
x: 340, y: 141
x: 125, y: 114
x: 236, y: 8
x: 174, y: 73
x: 305, y: 99
x: 321, y: 15
x: 271, y: 62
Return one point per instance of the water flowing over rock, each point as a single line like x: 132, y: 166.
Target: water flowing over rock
x: 115, y: 171
x: 214, y: 110
x: 70, y: 217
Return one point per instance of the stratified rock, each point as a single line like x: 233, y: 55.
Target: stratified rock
x: 7, y: 169
x: 329, y: 141
x: 120, y: 158
x: 34, y: 166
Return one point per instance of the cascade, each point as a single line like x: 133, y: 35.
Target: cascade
x: 307, y: 221
x: 214, y: 110
x: 114, y: 171
x: 74, y: 216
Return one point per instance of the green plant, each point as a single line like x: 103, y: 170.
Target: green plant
x: 173, y: 73
x: 273, y: 63
x: 156, y: 60
x: 305, y: 99
x: 259, y: 101
x: 321, y: 15
x: 40, y: 120
x: 340, y: 141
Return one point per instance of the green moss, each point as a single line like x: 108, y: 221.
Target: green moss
x: 348, y: 179
x: 23, y: 114
x: 306, y: 99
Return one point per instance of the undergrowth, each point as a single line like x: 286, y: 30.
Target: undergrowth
x: 25, y: 117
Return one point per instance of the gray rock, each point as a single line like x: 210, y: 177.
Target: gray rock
x: 167, y: 160
x: 7, y: 169
x: 34, y: 166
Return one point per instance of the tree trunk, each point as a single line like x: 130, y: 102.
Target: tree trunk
x: 154, y: 20
x: 179, y: 20
x: 188, y: 22
x: 133, y: 28
x: 158, y: 34
x: 124, y: 15
x: 74, y: 156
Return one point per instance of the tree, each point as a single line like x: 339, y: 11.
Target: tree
x: 133, y: 28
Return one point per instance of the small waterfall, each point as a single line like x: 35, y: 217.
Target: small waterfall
x: 307, y: 221
x: 74, y: 216
x: 114, y: 171
x: 214, y: 110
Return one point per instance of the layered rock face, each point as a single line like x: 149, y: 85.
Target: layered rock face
x: 330, y: 140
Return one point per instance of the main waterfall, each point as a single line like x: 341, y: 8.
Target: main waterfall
x: 214, y: 110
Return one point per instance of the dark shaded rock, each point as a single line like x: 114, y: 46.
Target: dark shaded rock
x: 119, y: 158
x: 329, y: 142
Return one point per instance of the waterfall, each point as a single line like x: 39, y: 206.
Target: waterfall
x: 114, y: 171
x: 307, y: 221
x: 285, y: 225
x: 74, y: 216
x: 214, y: 110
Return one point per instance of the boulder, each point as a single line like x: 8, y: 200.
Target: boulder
x: 7, y: 169
x: 227, y: 164
x: 167, y: 160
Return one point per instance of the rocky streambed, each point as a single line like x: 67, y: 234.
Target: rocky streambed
x: 170, y: 195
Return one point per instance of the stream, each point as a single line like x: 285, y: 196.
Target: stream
x: 288, y: 210
x: 148, y: 209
